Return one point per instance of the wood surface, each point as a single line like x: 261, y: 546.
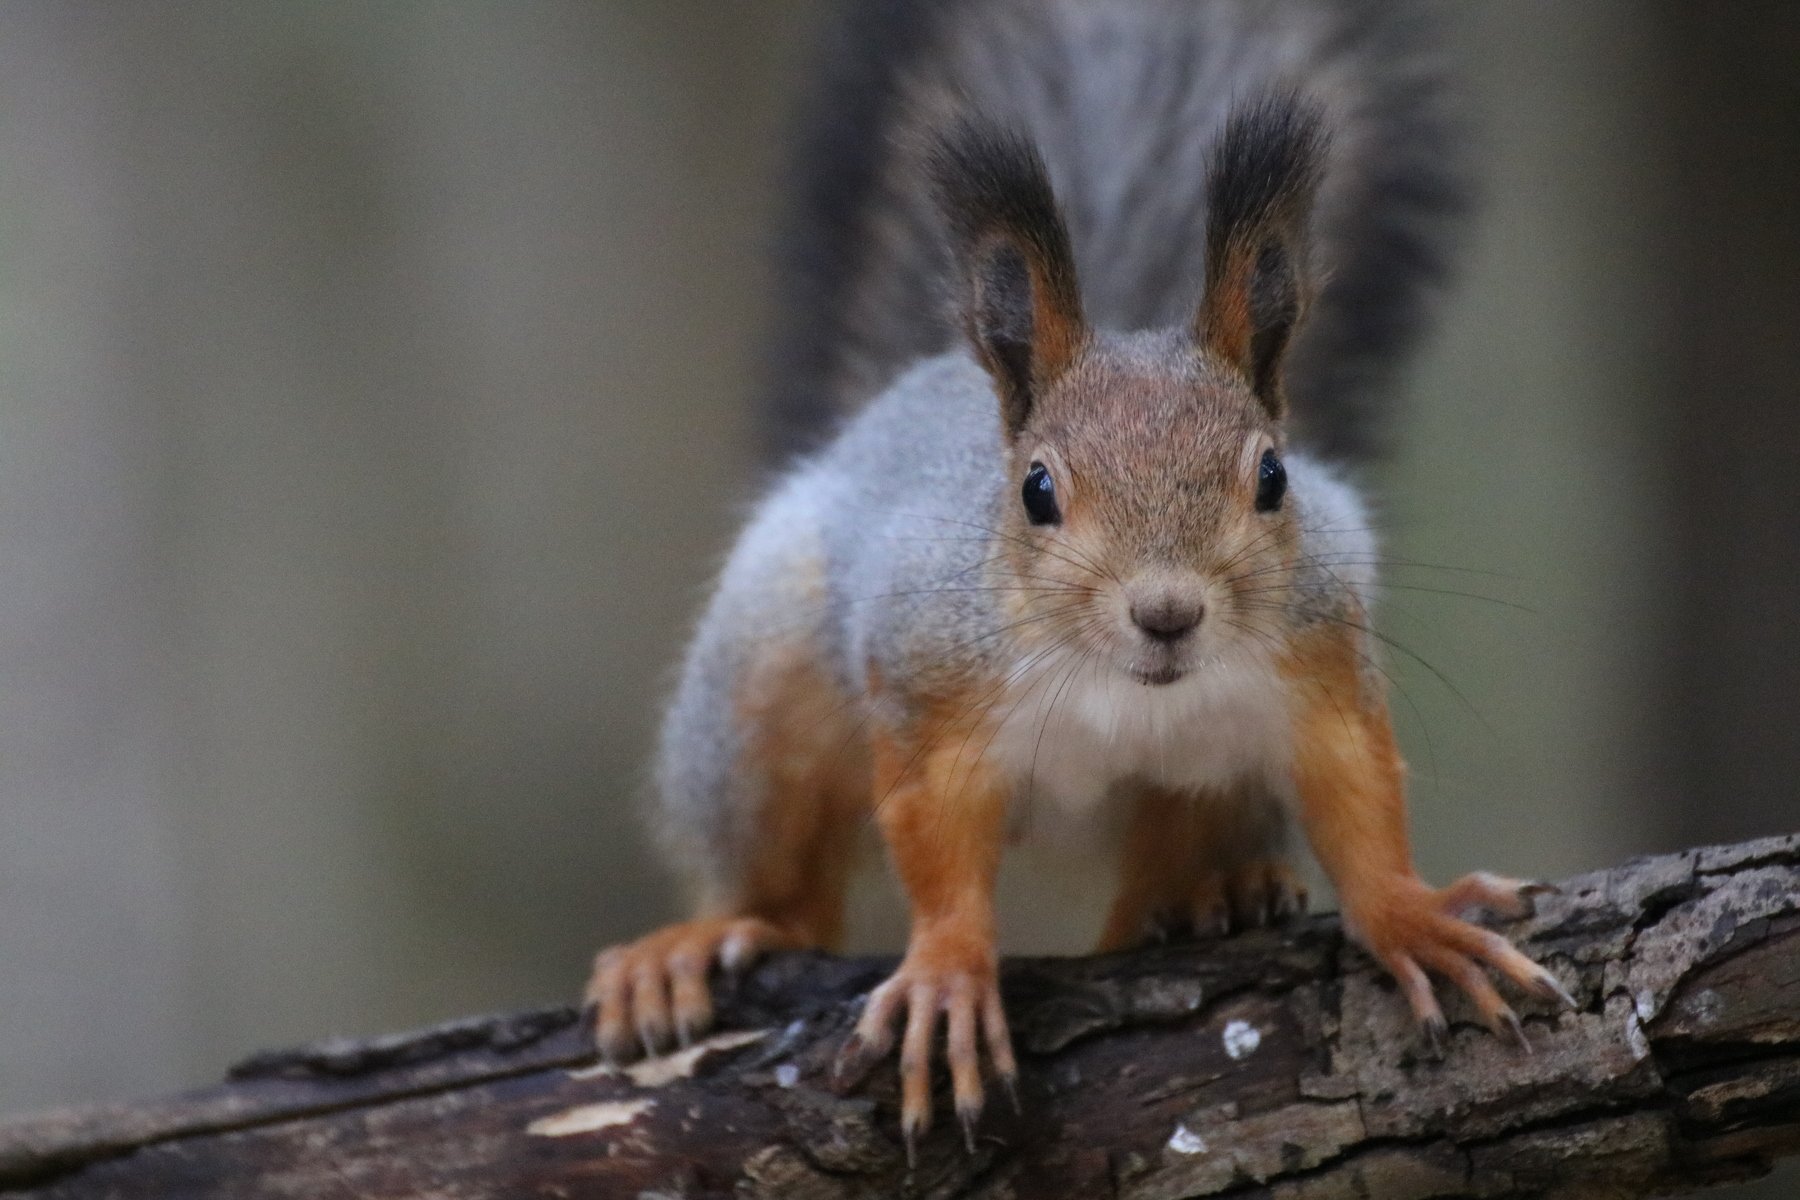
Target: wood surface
x: 1277, y: 1064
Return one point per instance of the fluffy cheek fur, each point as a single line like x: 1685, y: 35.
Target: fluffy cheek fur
x: 1252, y: 583
x: 1057, y: 584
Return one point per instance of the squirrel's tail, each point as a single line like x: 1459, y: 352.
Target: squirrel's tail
x: 1124, y: 100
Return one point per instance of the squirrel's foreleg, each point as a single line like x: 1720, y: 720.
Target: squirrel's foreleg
x: 942, y: 812
x: 1349, y: 780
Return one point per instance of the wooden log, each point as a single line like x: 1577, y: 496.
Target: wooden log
x: 1262, y: 1065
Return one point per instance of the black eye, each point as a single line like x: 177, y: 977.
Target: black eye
x: 1040, y: 496
x: 1271, y: 482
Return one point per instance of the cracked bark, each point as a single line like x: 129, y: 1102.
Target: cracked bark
x: 1265, y: 1065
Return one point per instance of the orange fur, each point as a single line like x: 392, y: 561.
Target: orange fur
x: 1212, y: 862
x: 1347, y: 769
x: 1157, y: 863
x: 814, y: 760
x: 813, y: 765
x: 1225, y: 322
x: 942, y: 812
x: 1058, y: 331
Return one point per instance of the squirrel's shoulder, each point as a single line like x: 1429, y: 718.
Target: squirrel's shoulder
x: 901, y: 501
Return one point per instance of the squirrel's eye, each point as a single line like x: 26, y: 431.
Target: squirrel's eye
x: 1040, y: 496
x: 1271, y: 482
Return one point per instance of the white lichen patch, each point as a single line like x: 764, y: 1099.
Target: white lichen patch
x: 1241, y: 1038
x: 1705, y: 1006
x: 587, y: 1118
x: 1186, y: 1141
x: 667, y: 1068
x: 1634, y: 1037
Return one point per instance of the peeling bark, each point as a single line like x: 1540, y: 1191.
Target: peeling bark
x: 1265, y: 1065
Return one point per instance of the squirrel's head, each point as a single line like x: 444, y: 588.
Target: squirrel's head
x: 1145, y: 517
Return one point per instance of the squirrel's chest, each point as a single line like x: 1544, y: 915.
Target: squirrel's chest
x: 1070, y: 741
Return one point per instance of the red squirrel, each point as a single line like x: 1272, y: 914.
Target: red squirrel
x: 1086, y: 280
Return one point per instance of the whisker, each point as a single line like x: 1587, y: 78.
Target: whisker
x: 1401, y: 587
x: 1087, y: 566
x: 1391, y: 643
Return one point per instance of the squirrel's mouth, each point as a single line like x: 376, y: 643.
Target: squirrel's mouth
x: 1157, y: 676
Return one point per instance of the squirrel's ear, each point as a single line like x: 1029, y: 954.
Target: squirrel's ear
x: 1015, y: 270
x: 1259, y: 197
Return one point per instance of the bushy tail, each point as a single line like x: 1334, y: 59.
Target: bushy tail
x: 1125, y: 101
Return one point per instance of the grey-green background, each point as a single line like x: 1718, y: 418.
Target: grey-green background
x: 373, y: 389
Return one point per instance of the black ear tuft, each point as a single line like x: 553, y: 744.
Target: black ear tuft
x: 1020, y: 303
x: 1264, y: 173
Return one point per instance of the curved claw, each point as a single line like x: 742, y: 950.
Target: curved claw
x: 1548, y: 987
x: 1435, y: 1029
x: 852, y: 1063
x: 967, y: 1118
x: 1517, y: 1029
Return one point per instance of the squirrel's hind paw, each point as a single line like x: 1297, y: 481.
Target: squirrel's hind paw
x: 656, y: 991
x: 1252, y: 895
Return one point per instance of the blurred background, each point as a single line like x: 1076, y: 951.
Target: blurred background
x: 373, y: 386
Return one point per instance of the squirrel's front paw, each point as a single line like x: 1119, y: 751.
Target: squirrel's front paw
x: 1411, y: 928
x: 656, y: 990
x: 957, y: 978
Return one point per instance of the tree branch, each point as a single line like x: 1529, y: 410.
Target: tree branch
x: 1261, y: 1065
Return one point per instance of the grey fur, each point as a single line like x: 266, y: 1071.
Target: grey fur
x: 1124, y: 99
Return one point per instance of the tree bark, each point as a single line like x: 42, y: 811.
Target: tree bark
x: 1266, y: 1064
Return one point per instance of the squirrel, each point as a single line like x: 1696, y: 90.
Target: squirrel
x: 1064, y: 265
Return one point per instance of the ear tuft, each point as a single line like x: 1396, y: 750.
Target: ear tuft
x: 1264, y: 174
x: 1020, y: 303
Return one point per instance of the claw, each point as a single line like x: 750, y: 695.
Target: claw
x: 1530, y: 890
x: 848, y: 1067
x: 1434, y: 1028
x: 1010, y: 1082
x: 618, y: 1050
x: 1548, y: 987
x: 910, y: 1129
x: 1509, y: 1020
x: 967, y: 1118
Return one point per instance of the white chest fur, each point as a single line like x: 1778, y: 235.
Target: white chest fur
x: 1071, y: 733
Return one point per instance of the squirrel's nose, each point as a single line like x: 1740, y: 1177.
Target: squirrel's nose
x: 1167, y: 620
